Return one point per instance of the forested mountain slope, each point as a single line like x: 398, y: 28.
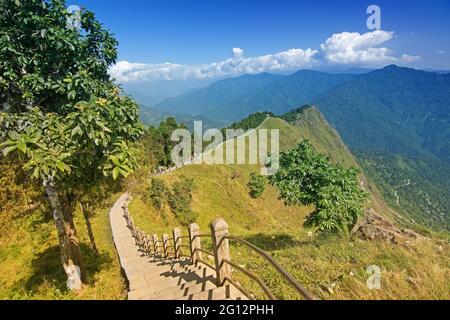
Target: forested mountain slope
x: 397, y: 122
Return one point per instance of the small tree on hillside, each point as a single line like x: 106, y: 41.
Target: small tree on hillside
x: 256, y: 185
x: 180, y: 200
x: 158, y: 193
x: 308, y: 178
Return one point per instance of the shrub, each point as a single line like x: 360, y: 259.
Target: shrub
x: 309, y: 178
x: 158, y: 193
x: 180, y: 200
x: 256, y: 185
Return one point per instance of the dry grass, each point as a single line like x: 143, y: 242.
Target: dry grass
x: 31, y: 268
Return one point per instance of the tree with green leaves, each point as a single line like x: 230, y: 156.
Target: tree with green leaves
x: 158, y: 193
x: 180, y: 200
x: 256, y: 185
x: 61, y: 114
x: 306, y: 177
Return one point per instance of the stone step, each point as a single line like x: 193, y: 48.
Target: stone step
x: 186, y: 289
x: 143, y: 288
x: 148, y: 267
x: 152, y: 275
x: 220, y: 293
x: 157, y: 282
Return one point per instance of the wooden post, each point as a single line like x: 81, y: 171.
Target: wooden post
x: 219, y: 229
x: 165, y: 239
x: 147, y: 245
x: 136, y: 237
x: 195, y: 242
x: 155, y: 245
x: 177, y: 241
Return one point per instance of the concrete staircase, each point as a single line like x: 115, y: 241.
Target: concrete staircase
x: 157, y: 278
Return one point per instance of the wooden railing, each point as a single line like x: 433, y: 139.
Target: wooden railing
x: 173, y: 248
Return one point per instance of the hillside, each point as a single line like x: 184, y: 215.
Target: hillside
x: 400, y: 110
x: 397, y: 121
x: 332, y: 266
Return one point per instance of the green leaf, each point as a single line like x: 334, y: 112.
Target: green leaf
x: 61, y: 166
x: 8, y: 150
x: 22, y: 147
x: 115, y: 173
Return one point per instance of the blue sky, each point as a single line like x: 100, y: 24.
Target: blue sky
x: 204, y: 32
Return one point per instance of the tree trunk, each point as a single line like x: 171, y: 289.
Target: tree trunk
x: 84, y: 210
x: 72, y: 270
x: 73, y: 239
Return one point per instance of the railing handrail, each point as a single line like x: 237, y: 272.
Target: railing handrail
x: 292, y: 281
x: 142, y: 240
x: 254, y: 277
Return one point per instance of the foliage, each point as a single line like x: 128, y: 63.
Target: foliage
x: 180, y: 200
x: 157, y: 143
x: 44, y: 63
x: 73, y: 149
x: 256, y: 185
x: 308, y: 178
x: 63, y: 113
x: 158, y: 193
x: 293, y: 115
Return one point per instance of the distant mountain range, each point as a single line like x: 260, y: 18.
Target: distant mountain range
x: 400, y: 109
x: 233, y: 99
x: 393, y: 117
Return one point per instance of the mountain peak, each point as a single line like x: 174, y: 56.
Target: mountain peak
x: 392, y: 67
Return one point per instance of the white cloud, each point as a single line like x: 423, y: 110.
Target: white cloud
x: 355, y: 49
x: 125, y: 71
x: 442, y: 52
x: 407, y: 59
x: 238, y: 53
x: 346, y: 48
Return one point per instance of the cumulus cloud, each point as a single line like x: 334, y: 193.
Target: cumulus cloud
x: 353, y: 48
x: 125, y: 71
x: 346, y: 48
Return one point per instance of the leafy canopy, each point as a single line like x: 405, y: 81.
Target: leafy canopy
x: 158, y: 193
x: 309, y: 178
x: 63, y: 114
x: 44, y: 63
x: 180, y: 200
x: 90, y: 141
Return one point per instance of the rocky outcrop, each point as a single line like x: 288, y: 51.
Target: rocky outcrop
x: 375, y: 227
